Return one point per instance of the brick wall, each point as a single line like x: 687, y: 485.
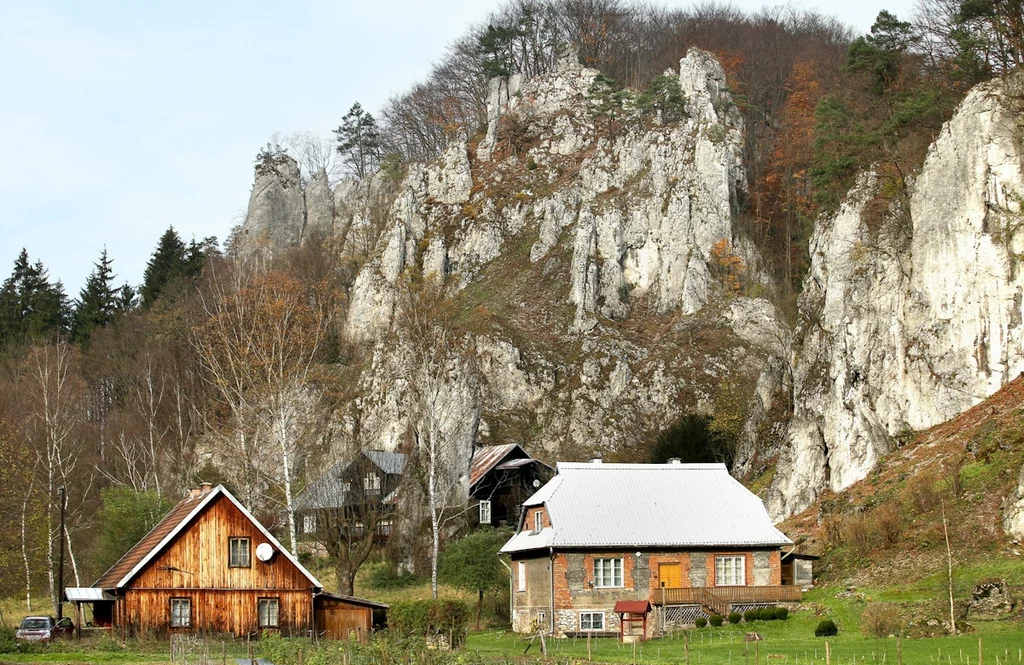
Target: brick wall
x: 530, y: 512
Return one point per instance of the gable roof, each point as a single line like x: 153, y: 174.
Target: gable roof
x: 328, y: 491
x: 505, y: 457
x: 647, y: 505
x: 173, y: 523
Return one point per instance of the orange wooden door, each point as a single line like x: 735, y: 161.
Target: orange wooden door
x: 669, y: 575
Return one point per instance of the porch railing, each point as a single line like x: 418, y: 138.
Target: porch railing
x: 720, y: 597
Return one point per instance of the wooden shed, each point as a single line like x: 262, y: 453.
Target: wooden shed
x: 208, y: 566
x: 341, y: 617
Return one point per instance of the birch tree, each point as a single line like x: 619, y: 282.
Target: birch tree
x: 438, y: 368
x: 260, y: 347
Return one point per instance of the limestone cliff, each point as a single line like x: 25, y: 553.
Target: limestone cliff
x: 588, y: 261
x: 911, y: 316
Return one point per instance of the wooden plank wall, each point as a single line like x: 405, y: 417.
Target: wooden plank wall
x: 337, y: 621
x: 234, y: 611
x: 195, y: 566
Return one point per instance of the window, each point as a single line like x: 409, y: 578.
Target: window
x: 309, y: 524
x: 538, y: 521
x: 485, y: 512
x: 269, y: 609
x: 730, y: 570
x: 542, y: 618
x: 238, y: 552
x: 181, y: 612
x: 522, y: 576
x: 592, y: 620
x: 607, y: 573
x: 371, y: 483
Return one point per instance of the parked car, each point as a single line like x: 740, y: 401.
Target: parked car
x: 44, y: 629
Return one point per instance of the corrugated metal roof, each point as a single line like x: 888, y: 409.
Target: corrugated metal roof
x: 393, y: 463
x: 86, y: 594
x: 651, y: 505
x: 486, y: 458
x: 328, y: 491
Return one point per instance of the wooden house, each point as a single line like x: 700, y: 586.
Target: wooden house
x: 500, y: 479
x: 687, y: 538
x: 210, y: 566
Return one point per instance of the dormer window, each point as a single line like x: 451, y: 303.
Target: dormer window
x: 538, y: 521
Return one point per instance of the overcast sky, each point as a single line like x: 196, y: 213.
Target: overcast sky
x: 121, y: 118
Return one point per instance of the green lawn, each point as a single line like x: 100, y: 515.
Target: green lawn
x: 790, y: 642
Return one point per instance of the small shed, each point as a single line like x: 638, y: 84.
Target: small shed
x: 631, y: 613
x: 341, y: 617
x: 798, y: 569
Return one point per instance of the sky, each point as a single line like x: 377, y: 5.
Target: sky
x: 119, y: 119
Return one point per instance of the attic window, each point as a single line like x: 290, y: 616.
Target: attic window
x: 538, y: 521
x: 238, y: 553
x: 371, y: 483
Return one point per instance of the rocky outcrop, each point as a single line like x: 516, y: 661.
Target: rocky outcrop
x: 912, y: 315
x: 276, y: 216
x: 319, y: 201
x: 557, y: 234
x: 990, y: 601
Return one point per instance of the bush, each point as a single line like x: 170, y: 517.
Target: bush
x: 826, y: 628
x: 751, y: 615
x: 734, y: 617
x: 880, y: 620
x: 781, y: 613
x: 716, y: 621
x: 767, y: 613
x: 700, y: 622
x: 383, y: 577
x: 430, y: 618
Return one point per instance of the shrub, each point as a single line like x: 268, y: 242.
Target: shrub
x: 734, y: 617
x: 826, y: 628
x: 767, y: 613
x: 880, y: 620
x: 383, y: 577
x: 700, y: 622
x: 716, y: 621
x: 751, y: 615
x: 781, y: 613
x: 430, y: 618
x: 531, y: 163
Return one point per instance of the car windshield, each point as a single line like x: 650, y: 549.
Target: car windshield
x: 35, y: 624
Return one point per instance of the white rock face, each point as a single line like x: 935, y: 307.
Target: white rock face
x: 276, y: 217
x: 909, y: 321
x: 319, y: 206
x: 1013, y: 511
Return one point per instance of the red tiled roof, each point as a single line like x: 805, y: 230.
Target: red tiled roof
x: 137, y: 553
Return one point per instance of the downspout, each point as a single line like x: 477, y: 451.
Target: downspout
x: 551, y: 587
x: 511, y: 592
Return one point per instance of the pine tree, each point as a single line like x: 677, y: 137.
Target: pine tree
x: 30, y: 306
x: 359, y: 141
x: 98, y: 302
x: 168, y: 263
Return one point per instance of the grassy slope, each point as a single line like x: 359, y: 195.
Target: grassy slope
x: 885, y: 534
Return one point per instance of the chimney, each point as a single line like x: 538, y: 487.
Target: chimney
x: 597, y: 460
x: 675, y: 461
x: 205, y: 488
x: 194, y: 493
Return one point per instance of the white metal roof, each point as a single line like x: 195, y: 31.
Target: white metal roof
x: 82, y: 594
x: 649, y: 505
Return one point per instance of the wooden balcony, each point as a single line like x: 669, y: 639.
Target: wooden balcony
x: 719, y: 598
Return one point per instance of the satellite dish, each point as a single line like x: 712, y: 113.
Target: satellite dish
x: 536, y: 483
x: 264, y: 552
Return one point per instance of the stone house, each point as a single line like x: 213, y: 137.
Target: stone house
x: 688, y: 538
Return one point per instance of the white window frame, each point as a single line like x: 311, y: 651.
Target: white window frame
x: 587, y: 624
x: 731, y: 570
x: 522, y: 576
x: 273, y: 612
x: 538, y: 521
x: 608, y: 573
x: 309, y: 524
x: 179, y: 618
x: 371, y: 483
x: 485, y: 511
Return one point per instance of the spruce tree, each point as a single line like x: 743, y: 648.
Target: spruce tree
x: 30, y: 305
x: 98, y: 301
x: 168, y: 263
